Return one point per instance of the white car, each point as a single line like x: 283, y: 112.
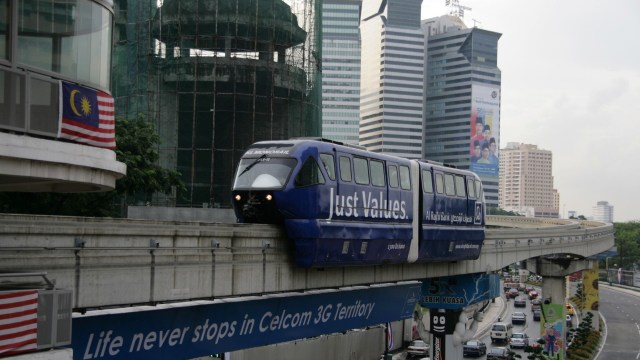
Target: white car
x: 417, y: 348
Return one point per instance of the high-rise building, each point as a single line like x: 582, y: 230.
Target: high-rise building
x: 603, y: 212
x: 526, y: 181
x: 341, y: 70
x: 391, y: 85
x: 462, y: 99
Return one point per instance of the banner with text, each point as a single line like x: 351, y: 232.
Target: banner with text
x: 183, y: 331
x: 456, y: 292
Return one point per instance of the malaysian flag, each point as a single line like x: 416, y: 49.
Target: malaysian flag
x: 18, y: 321
x: 87, y: 116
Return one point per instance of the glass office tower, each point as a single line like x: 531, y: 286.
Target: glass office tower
x: 392, y: 68
x: 341, y: 70
x: 462, y: 101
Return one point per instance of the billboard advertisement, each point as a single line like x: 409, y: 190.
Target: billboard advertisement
x: 485, y: 129
x: 201, y: 328
x: 552, y: 329
x: 457, y: 292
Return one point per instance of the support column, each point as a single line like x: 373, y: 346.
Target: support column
x: 553, y: 326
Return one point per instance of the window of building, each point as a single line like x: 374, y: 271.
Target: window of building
x: 4, y: 29
x: 72, y: 38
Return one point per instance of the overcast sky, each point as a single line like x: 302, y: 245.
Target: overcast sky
x: 571, y: 85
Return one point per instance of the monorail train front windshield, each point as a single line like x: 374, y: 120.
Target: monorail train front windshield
x: 264, y: 172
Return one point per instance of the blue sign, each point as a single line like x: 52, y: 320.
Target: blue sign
x: 182, y: 331
x: 456, y: 292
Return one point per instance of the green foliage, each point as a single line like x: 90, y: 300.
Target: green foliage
x: 499, y: 211
x: 136, y: 147
x: 628, y: 243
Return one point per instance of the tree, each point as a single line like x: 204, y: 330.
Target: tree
x: 136, y: 147
x: 499, y: 211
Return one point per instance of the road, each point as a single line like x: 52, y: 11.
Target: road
x: 621, y: 311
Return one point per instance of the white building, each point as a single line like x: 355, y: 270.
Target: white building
x: 603, y: 212
x: 526, y: 181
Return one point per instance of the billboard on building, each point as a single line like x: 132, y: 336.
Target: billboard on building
x: 485, y: 129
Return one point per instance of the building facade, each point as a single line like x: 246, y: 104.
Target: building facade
x: 462, y: 99
x: 391, y: 85
x: 526, y: 181
x: 341, y: 70
x: 603, y: 211
x: 214, y: 77
x: 55, y: 66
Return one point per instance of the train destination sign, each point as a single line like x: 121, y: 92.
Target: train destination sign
x: 200, y: 328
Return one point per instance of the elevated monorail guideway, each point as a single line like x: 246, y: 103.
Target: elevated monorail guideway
x: 117, y: 262
x: 102, y: 263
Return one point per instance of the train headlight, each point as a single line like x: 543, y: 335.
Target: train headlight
x: 238, y: 197
x: 268, y: 197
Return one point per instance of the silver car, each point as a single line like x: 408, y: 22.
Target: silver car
x: 519, y: 340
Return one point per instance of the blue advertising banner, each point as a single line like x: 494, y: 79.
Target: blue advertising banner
x: 456, y: 292
x: 183, y: 331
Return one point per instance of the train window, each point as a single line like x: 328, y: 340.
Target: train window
x: 361, y: 171
x: 479, y: 195
x: 329, y: 165
x: 393, y: 176
x: 405, y: 179
x: 345, y: 169
x: 377, y: 172
x: 309, y: 174
x: 471, y: 189
x: 460, y: 186
x: 449, y: 185
x: 427, y: 182
x: 439, y: 184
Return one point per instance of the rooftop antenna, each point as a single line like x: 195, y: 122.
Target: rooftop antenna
x: 455, y: 9
x: 475, y: 22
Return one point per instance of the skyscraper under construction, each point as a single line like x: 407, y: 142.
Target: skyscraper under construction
x: 213, y: 77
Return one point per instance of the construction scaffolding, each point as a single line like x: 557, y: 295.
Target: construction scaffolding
x: 214, y: 76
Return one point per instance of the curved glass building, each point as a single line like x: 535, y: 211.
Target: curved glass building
x: 47, y: 46
x: 214, y: 77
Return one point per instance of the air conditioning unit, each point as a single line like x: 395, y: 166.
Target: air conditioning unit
x: 54, y: 318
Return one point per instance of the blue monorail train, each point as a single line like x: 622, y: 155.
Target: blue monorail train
x: 342, y: 205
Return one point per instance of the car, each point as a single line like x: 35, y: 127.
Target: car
x: 512, y: 293
x: 519, y: 340
x: 417, y: 348
x: 520, y: 302
x: 521, y: 287
x: 537, y: 314
x: 474, y: 347
x: 533, y: 294
x: 528, y: 289
x: 518, y: 317
x: 569, y: 322
x: 535, y: 303
x: 499, y: 353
